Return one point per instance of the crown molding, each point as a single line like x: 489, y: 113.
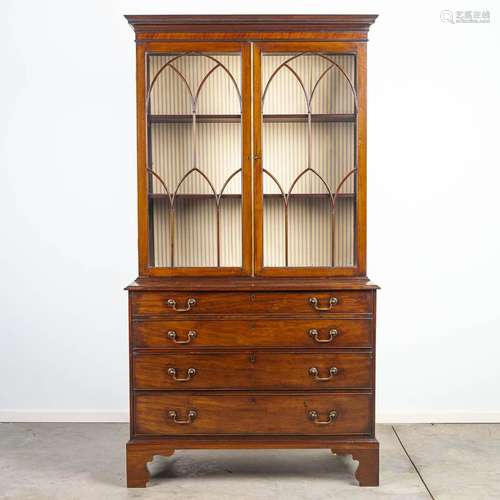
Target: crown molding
x: 254, y: 23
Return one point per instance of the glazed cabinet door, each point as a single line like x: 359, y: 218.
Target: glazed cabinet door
x: 194, y: 158
x: 309, y: 143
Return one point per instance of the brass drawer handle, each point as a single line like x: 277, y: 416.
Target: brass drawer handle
x: 173, y: 304
x: 191, y: 372
x: 315, y: 303
x: 314, y: 334
x: 191, y: 415
x: 172, y: 335
x: 314, y: 416
x: 314, y: 372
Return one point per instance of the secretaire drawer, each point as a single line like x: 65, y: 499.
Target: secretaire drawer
x: 252, y: 370
x: 177, y: 304
x: 300, y: 414
x: 314, y: 333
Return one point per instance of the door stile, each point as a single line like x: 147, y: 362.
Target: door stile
x: 246, y: 151
x: 257, y: 163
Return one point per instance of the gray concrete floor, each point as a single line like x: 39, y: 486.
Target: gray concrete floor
x: 86, y: 461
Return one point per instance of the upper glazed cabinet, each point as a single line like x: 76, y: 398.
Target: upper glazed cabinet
x: 252, y: 158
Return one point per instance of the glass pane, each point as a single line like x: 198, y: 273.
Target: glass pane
x: 194, y: 160
x: 309, y: 160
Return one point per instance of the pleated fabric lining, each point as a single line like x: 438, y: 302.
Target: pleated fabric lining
x: 285, y: 153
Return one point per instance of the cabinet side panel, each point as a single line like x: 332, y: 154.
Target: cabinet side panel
x: 131, y: 365
x: 142, y: 202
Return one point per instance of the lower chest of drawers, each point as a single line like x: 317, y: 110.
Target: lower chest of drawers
x: 297, y: 363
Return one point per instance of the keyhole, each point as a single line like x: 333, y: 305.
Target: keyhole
x: 252, y: 357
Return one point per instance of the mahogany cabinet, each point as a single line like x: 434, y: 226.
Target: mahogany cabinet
x: 252, y: 320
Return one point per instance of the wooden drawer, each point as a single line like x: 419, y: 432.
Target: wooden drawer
x: 315, y: 333
x: 252, y: 414
x: 251, y: 370
x: 177, y: 304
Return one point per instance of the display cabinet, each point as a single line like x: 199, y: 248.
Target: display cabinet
x: 252, y: 321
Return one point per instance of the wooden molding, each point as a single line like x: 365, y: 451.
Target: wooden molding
x: 255, y: 22
x: 251, y: 283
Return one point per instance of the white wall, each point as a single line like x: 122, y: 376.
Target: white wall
x: 67, y: 153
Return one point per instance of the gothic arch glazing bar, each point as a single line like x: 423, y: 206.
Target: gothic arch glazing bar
x: 183, y: 156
